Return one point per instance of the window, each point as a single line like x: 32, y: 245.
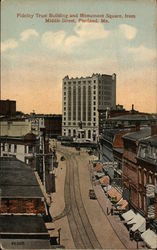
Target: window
x: 89, y: 134
x: 94, y: 124
x: 30, y: 149
x: 3, y: 147
x: 25, y: 149
x: 64, y: 93
x: 150, y: 179
x: 9, y: 148
x: 144, y: 203
x: 94, y: 97
x: 94, y: 103
x: 94, y: 113
x: 94, y: 119
x: 94, y: 92
x: 94, y: 108
x: 94, y: 82
x: 64, y: 113
x: 64, y: 98
x: 15, y: 148
x: 139, y: 176
x: 145, y: 179
x: 64, y: 118
x: 140, y: 200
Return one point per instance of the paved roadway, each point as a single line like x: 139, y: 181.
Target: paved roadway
x: 89, y: 227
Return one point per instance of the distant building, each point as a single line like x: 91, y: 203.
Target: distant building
x: 81, y: 100
x: 7, y: 108
x: 51, y: 123
x: 20, y: 147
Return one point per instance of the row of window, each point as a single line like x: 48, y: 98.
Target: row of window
x: 74, y: 123
x: 144, y: 178
x: 13, y: 148
x: 79, y: 82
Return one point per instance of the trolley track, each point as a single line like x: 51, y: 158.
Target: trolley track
x: 81, y: 229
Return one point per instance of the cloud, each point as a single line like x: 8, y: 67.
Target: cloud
x: 26, y: 34
x: 82, y: 33
x: 86, y: 32
x: 9, y: 44
x: 143, y: 53
x: 53, y: 40
x: 128, y: 31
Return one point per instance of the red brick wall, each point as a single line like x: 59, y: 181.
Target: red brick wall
x: 22, y: 206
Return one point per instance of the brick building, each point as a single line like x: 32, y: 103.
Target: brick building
x: 23, y: 210
x: 7, y: 107
x: 147, y: 176
x: 20, y: 191
x: 130, y: 164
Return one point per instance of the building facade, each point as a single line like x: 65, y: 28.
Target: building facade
x: 130, y: 164
x: 147, y: 181
x: 81, y: 100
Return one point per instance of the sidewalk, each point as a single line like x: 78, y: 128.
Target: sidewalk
x: 118, y: 226
x: 58, y: 205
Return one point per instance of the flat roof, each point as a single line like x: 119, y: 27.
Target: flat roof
x: 138, y: 135
x: 22, y: 224
x: 134, y: 117
x: 18, y: 180
x: 152, y: 140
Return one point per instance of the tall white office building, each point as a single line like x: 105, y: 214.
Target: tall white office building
x: 81, y: 99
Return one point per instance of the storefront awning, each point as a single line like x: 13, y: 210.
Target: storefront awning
x: 105, y: 180
x: 139, y: 223
x: 122, y: 204
x: 150, y: 238
x: 99, y: 175
x: 113, y: 193
x: 107, y: 188
x: 98, y: 167
x: 128, y: 215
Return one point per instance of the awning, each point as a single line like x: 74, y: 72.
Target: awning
x: 150, y: 238
x: 98, y: 167
x: 107, y: 188
x: 105, y: 180
x: 99, y: 175
x: 122, y: 204
x: 128, y: 215
x: 113, y: 193
x: 139, y: 223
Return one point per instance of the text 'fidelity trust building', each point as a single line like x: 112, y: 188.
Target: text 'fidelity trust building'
x: 81, y: 100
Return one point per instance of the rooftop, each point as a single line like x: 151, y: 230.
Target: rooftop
x: 93, y: 75
x: 134, y: 117
x: 152, y: 140
x: 22, y: 224
x: 138, y: 135
x: 18, y: 180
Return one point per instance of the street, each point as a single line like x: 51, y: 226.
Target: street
x: 82, y: 221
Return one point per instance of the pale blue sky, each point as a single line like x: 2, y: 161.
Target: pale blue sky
x: 37, y: 55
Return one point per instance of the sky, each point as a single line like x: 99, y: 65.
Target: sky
x: 36, y: 55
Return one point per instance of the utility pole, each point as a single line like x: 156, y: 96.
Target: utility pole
x: 44, y: 175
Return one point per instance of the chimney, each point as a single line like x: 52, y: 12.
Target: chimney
x: 132, y: 107
x: 154, y: 129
